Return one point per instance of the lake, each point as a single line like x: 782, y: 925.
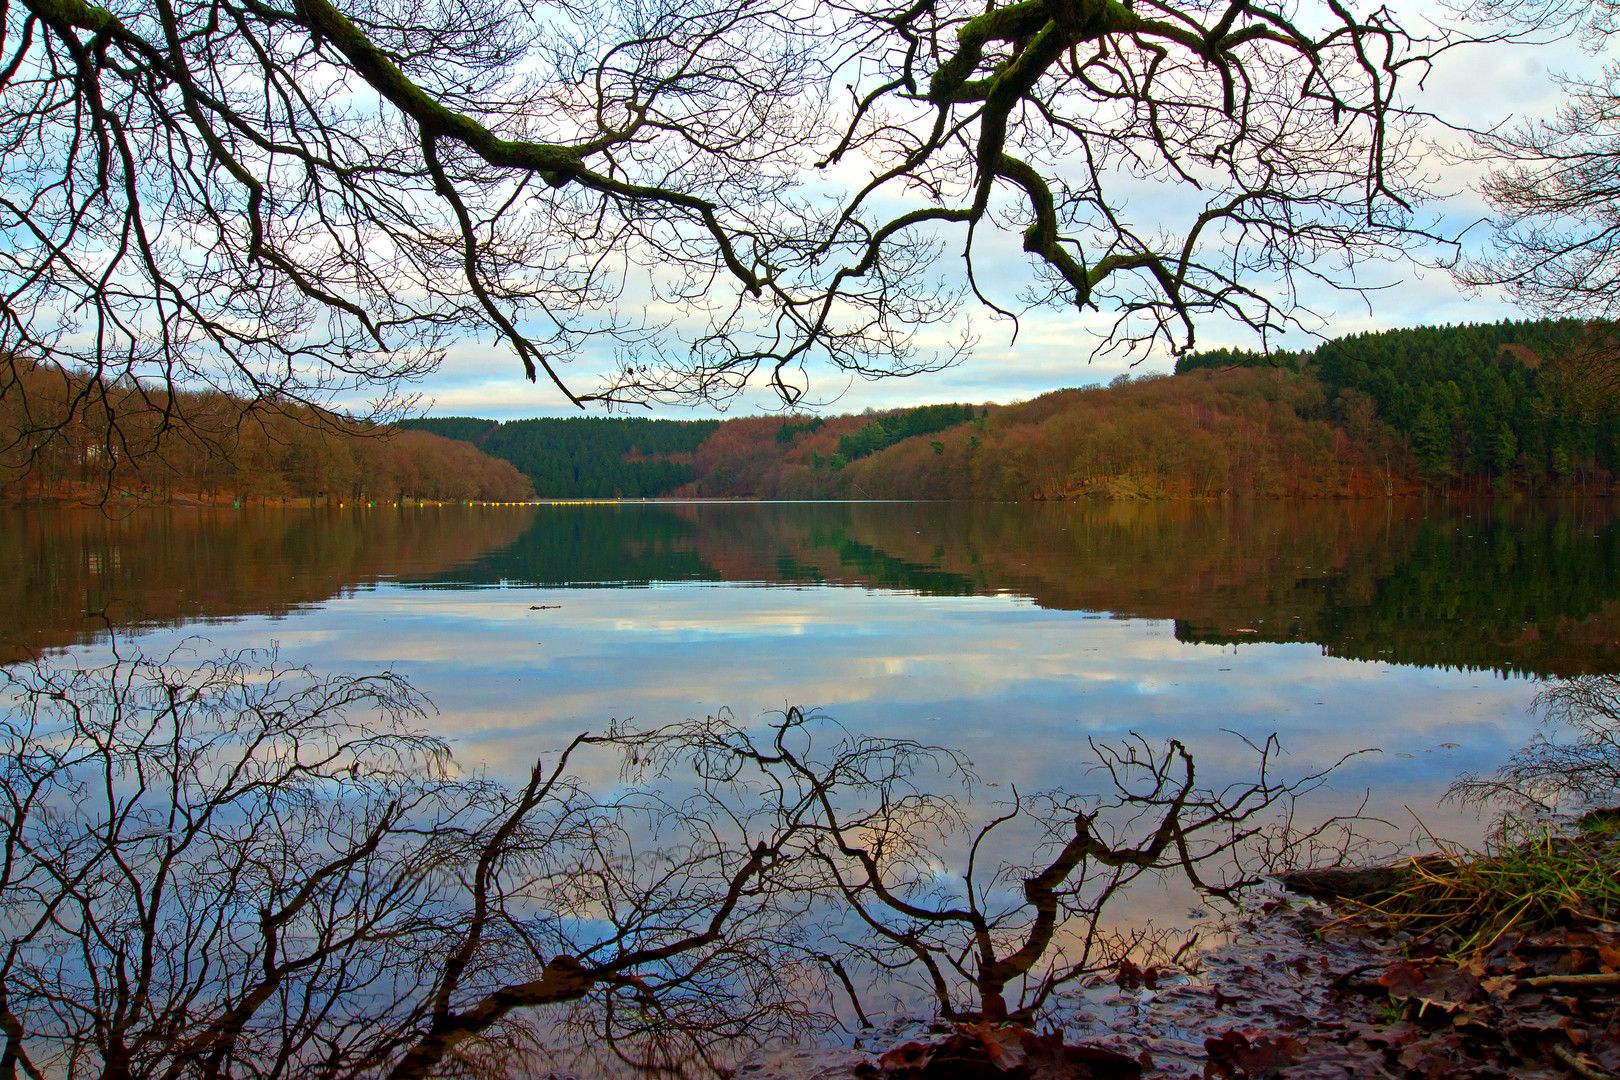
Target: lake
x: 1015, y: 635
x: 1011, y: 630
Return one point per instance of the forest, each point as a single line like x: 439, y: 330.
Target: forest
x: 67, y: 437
x: 1498, y: 408
x: 1205, y: 435
x: 1505, y: 406
x: 1510, y: 407
x: 586, y: 457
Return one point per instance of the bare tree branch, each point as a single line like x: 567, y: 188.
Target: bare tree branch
x: 309, y: 202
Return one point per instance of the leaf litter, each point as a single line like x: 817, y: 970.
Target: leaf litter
x: 1297, y: 992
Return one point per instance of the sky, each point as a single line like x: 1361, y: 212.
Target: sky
x: 1478, y: 87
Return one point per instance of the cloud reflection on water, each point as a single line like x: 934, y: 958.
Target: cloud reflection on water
x: 1000, y: 630
x: 1016, y: 687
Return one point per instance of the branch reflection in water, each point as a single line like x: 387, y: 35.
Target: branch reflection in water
x: 1571, y: 765
x: 236, y: 867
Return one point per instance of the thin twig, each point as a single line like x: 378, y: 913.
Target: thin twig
x: 1608, y: 978
x: 1577, y: 1066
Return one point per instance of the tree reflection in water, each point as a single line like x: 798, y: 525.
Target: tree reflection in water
x: 246, y: 869
x: 1571, y: 765
x: 235, y: 867
x: 996, y: 914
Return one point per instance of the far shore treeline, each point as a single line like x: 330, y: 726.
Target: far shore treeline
x: 212, y: 448
x: 1511, y: 407
x: 586, y: 457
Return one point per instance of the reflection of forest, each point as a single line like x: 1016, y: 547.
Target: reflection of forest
x: 1529, y: 587
x: 65, y: 575
x: 1525, y: 587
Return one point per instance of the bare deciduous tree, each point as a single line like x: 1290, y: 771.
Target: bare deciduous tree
x: 296, y: 201
x: 1555, y: 183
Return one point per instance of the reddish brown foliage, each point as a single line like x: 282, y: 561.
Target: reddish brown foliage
x: 56, y: 441
x: 1203, y: 435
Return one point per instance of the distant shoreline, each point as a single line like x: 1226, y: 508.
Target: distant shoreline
x: 127, y: 501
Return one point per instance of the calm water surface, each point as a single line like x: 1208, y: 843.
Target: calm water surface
x: 1011, y: 632
x: 1015, y: 635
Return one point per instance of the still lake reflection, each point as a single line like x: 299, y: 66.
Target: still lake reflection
x: 1011, y: 632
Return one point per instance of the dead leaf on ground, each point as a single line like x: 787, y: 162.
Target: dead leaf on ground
x: 1237, y: 1053
x: 986, y: 1051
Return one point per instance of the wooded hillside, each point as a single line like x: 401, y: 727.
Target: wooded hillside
x: 1507, y: 407
x: 1203, y: 435
x: 1501, y: 408
x: 210, y: 447
x: 586, y: 457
